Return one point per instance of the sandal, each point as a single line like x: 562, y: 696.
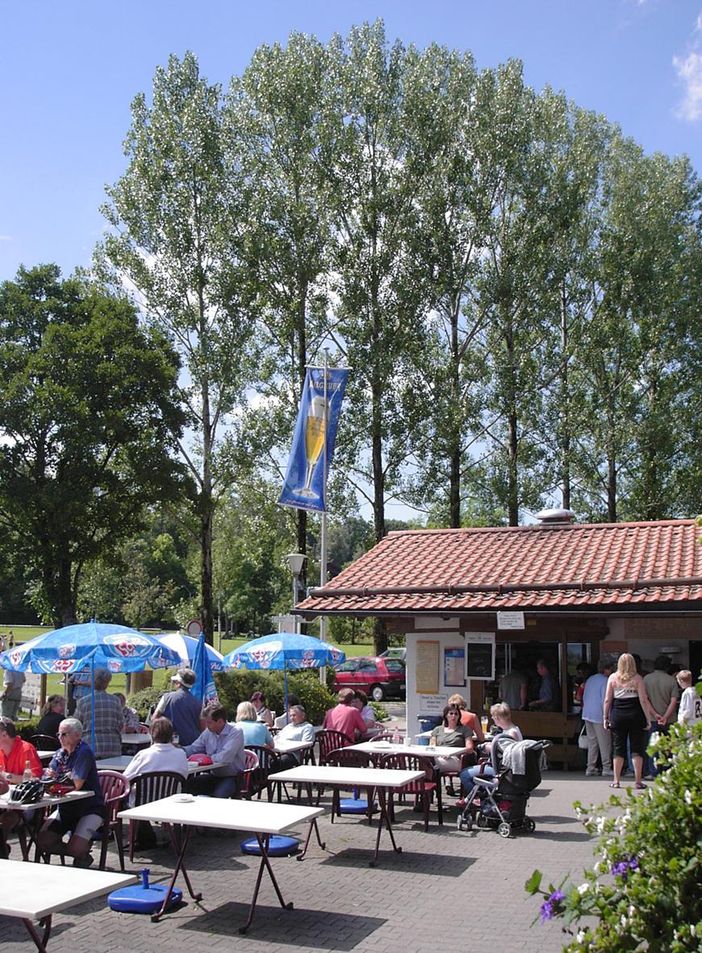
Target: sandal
x: 615, y: 784
x: 639, y: 785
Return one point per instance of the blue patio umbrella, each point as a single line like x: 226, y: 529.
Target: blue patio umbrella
x: 284, y: 651
x: 116, y: 648
x: 204, y: 665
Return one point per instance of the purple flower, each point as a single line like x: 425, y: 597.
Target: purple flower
x: 551, y: 907
x: 622, y: 867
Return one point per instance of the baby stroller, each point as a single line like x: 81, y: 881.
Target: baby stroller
x: 500, y: 803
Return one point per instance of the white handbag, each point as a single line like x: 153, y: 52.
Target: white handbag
x: 582, y: 738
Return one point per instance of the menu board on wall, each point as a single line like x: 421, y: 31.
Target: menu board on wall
x: 427, y: 673
x: 454, y: 666
x: 480, y: 655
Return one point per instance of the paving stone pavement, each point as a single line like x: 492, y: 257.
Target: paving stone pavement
x: 447, y: 890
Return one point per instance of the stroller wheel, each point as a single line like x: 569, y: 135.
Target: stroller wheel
x: 503, y: 829
x: 482, y: 821
x: 529, y: 825
x: 464, y: 823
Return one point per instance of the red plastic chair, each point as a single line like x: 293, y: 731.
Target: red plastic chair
x: 250, y: 765
x: 330, y: 740
x: 423, y: 789
x: 115, y: 790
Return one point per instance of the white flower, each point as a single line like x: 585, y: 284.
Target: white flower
x: 601, y: 821
x: 688, y: 797
x: 581, y: 936
x: 624, y: 921
x: 583, y: 889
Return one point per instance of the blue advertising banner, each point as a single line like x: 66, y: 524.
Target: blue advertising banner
x: 314, y: 438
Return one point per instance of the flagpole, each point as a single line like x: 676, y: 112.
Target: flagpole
x: 323, y: 530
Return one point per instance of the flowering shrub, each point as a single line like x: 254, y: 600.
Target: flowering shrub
x: 645, y: 890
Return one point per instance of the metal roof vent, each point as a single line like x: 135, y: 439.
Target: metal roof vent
x: 556, y: 517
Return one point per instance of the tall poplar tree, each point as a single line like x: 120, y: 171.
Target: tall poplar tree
x: 178, y: 217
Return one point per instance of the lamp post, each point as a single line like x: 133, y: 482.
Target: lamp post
x: 296, y: 561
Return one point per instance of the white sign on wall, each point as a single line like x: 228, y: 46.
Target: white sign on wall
x: 510, y: 620
x: 432, y: 704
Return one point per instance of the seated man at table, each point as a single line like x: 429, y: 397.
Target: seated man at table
x: 345, y: 716
x: 15, y: 756
x: 224, y: 743
x: 160, y: 755
x: 82, y: 818
x: 106, y: 711
x: 297, y: 729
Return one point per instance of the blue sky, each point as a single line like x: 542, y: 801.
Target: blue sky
x: 69, y: 70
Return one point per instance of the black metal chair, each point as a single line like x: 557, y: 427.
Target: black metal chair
x: 45, y: 742
x: 152, y: 787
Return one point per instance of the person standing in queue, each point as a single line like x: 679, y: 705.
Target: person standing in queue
x: 182, y: 708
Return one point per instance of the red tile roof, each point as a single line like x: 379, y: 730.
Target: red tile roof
x: 564, y: 567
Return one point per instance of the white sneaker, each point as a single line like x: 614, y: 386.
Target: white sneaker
x: 608, y: 774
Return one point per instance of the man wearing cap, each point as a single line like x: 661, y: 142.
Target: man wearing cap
x: 183, y: 709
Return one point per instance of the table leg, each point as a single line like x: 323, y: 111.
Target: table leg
x: 384, y: 817
x: 322, y: 844
x: 263, y: 841
x: 180, y: 835
x: 40, y: 941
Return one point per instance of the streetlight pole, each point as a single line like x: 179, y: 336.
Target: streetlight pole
x: 296, y: 562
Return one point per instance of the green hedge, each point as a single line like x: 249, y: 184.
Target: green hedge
x: 237, y: 686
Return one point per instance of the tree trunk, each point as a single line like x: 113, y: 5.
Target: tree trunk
x: 455, y: 451
x: 565, y: 404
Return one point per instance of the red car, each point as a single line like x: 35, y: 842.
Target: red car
x: 379, y: 678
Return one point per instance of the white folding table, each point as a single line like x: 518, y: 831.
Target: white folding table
x: 382, y: 780
x: 121, y: 761
x: 31, y: 828
x: 30, y: 892
x: 261, y: 818
x: 136, y: 739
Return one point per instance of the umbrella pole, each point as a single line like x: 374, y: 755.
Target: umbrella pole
x: 92, y: 700
x: 285, y: 693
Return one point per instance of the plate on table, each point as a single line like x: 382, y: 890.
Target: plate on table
x: 184, y: 798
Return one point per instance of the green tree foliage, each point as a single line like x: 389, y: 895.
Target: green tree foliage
x: 89, y: 414
x: 178, y: 216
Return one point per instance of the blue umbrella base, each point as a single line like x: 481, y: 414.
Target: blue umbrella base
x: 142, y: 899
x: 278, y: 846
x: 354, y: 805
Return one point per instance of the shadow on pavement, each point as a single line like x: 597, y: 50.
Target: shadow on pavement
x: 409, y: 861
x: 298, y: 927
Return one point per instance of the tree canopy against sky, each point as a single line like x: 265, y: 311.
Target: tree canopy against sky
x: 89, y: 416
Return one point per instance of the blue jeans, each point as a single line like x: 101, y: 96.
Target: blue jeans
x: 215, y: 786
x: 467, y: 775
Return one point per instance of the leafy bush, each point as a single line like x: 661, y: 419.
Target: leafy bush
x: 143, y: 701
x: 644, y: 890
x: 236, y: 686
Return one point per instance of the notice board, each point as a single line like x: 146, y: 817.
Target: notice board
x: 427, y: 674
x: 480, y: 655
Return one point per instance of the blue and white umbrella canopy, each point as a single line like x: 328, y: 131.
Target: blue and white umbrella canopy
x: 99, y: 644
x: 186, y: 647
x: 283, y: 651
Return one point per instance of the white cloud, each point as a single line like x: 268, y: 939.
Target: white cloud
x: 6, y: 238
x: 689, y: 70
